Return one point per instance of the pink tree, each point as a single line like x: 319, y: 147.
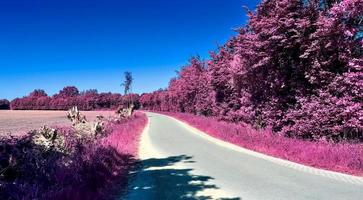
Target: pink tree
x: 271, y: 72
x: 335, y: 56
x: 222, y: 79
x: 293, y: 63
x: 190, y: 90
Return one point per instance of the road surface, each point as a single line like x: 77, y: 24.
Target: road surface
x: 180, y: 163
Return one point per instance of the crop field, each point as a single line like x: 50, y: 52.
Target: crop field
x: 20, y: 121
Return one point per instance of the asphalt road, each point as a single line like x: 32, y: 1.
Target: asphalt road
x: 180, y: 163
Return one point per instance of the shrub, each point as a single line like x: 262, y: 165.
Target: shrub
x: 4, y: 104
x: 65, y: 166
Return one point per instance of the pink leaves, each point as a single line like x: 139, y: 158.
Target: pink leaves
x: 83, y: 168
x: 342, y: 157
x: 69, y: 97
x: 294, y: 67
x: 125, y: 136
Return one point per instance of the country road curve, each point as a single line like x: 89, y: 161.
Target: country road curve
x: 179, y: 163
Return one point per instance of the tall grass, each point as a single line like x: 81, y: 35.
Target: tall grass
x: 125, y: 136
x: 340, y: 157
x: 86, y: 168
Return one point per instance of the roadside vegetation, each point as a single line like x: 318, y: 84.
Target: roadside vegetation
x: 340, y: 157
x: 288, y: 84
x: 294, y: 73
x: 296, y: 67
x: 90, y: 160
x: 85, y: 160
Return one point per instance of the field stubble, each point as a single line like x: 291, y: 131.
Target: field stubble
x: 21, y: 121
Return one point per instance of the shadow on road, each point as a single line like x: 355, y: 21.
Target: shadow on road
x: 159, y: 179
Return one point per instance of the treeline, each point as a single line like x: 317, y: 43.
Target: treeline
x: 70, y: 96
x: 296, y: 67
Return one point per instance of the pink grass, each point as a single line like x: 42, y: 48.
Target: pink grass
x: 342, y: 157
x: 125, y: 136
x: 96, y: 168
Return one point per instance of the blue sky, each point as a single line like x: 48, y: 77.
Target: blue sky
x: 50, y: 44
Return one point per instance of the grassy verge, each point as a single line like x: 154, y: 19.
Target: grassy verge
x: 341, y: 157
x: 71, y: 167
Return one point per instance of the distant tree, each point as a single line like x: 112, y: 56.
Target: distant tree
x: 127, y: 82
x: 38, y: 93
x: 89, y: 92
x: 69, y: 91
x: 70, y: 96
x: 4, y: 104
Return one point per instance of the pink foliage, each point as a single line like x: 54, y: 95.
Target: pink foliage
x: 69, y: 97
x: 88, y: 169
x: 125, y: 135
x: 297, y: 66
x: 343, y: 157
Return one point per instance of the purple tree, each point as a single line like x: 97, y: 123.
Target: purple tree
x: 189, y: 91
x: 296, y: 67
x: 69, y: 91
x: 336, y: 64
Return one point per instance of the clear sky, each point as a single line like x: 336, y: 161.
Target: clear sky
x: 49, y: 44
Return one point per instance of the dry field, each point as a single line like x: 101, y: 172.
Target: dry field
x: 19, y: 121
